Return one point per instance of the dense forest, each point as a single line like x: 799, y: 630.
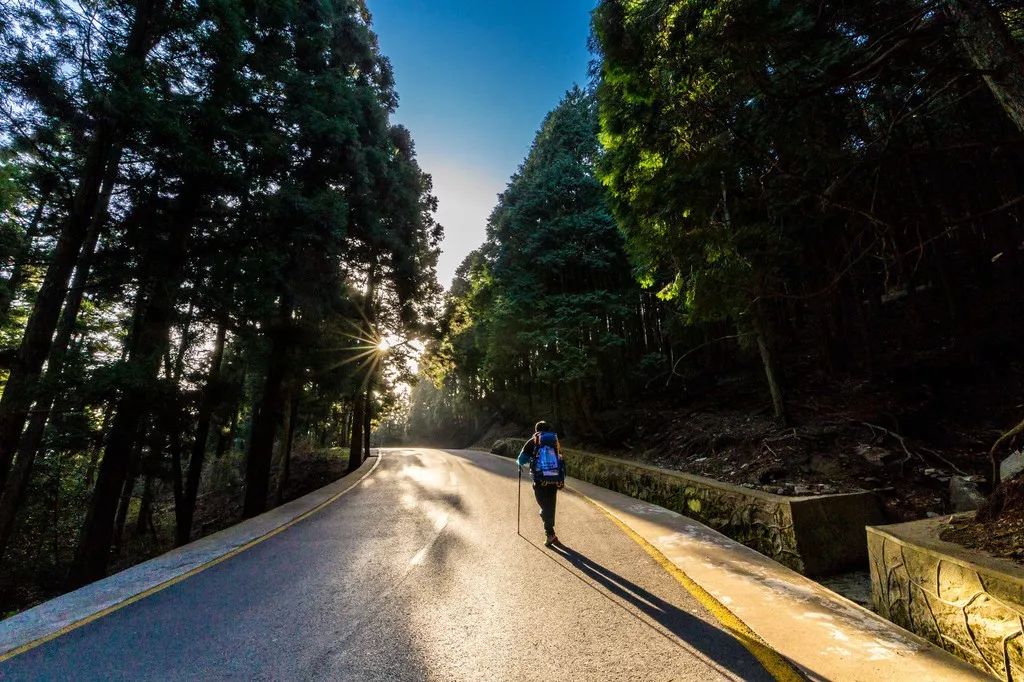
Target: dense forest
x: 788, y: 234
x: 210, y: 232
x: 772, y: 242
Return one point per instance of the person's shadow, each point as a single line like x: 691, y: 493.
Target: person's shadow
x: 718, y: 648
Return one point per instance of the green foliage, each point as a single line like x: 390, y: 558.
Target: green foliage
x: 543, y: 303
x: 780, y: 173
x: 698, y: 111
x: 762, y: 153
x: 256, y: 186
x: 12, y: 191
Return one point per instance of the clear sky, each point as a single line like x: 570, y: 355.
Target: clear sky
x: 475, y: 79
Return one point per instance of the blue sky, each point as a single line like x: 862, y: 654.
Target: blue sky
x: 474, y: 81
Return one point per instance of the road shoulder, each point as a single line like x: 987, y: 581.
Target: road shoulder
x: 824, y: 635
x: 827, y: 636
x: 62, y: 614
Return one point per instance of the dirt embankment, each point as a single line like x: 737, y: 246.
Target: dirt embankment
x: 998, y: 527
x: 905, y: 434
x: 916, y: 431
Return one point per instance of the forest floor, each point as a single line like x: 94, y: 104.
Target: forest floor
x: 904, y: 434
x: 821, y: 451
x: 997, y: 532
x: 219, y: 506
x: 923, y: 419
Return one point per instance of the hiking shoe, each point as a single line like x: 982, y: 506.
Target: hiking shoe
x: 552, y: 540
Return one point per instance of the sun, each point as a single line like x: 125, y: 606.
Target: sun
x: 384, y: 345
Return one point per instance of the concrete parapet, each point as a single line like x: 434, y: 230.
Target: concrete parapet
x: 813, y: 535
x: 965, y: 601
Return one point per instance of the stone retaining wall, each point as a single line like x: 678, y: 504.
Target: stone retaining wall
x: 965, y: 601
x: 812, y: 535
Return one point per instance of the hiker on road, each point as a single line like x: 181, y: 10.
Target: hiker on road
x: 544, y: 455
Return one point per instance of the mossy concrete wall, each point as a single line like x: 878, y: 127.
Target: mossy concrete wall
x: 965, y: 601
x: 812, y: 535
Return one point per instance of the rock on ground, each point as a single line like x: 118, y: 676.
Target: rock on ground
x: 1011, y: 466
x: 964, y: 494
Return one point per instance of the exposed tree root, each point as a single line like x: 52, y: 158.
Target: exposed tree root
x: 1009, y: 435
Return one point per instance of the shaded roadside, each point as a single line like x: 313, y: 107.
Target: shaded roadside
x: 148, y: 527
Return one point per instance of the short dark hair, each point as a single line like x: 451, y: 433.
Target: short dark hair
x: 542, y: 426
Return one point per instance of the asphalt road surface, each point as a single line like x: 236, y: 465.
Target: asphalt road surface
x: 415, y: 574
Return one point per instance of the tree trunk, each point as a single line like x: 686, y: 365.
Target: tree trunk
x: 277, y: 465
x: 367, y: 420
x: 19, y: 268
x: 266, y: 419
x: 770, y: 371
x: 121, y: 518
x: 185, y: 512
x: 135, y: 402
x: 101, y: 164
x: 96, y: 447
x: 31, y: 440
x: 173, y: 421
x: 362, y: 410
x: 286, y: 457
x: 19, y: 392
x: 355, y: 447
x: 177, y: 368
x: 144, y: 519
x: 124, y: 496
x: 583, y: 410
x: 346, y: 428
x: 56, y: 509
x: 994, y: 51
x: 98, y: 530
x: 174, y: 413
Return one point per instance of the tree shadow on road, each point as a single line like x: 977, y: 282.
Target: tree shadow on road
x: 718, y: 648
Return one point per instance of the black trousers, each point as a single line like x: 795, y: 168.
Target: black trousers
x: 547, y: 497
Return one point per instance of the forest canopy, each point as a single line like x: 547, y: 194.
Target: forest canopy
x: 766, y: 229
x: 817, y: 212
x: 209, y: 223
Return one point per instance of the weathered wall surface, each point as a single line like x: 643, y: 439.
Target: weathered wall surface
x: 812, y: 535
x: 964, y: 601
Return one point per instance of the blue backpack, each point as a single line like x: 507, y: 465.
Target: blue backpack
x: 546, y: 465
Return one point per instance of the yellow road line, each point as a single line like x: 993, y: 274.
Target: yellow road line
x: 774, y: 662
x: 184, y: 576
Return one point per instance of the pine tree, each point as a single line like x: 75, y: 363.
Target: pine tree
x: 537, y: 318
x: 111, y: 111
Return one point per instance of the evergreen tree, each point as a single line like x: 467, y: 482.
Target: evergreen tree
x: 744, y: 146
x: 100, y: 111
x: 538, y: 318
x: 223, y: 182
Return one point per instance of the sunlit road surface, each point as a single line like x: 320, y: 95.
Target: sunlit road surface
x: 416, y: 574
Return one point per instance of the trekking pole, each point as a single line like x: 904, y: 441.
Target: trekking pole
x: 519, y: 498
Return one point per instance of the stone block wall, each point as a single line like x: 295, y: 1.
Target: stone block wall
x: 964, y: 601
x: 812, y: 535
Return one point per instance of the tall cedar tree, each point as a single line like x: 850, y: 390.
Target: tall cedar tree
x: 537, y: 318
x: 760, y: 158
x: 249, y: 180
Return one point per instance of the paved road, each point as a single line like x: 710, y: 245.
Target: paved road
x: 416, y: 574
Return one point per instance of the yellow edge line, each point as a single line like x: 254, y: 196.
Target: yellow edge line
x: 184, y: 576
x: 774, y: 662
